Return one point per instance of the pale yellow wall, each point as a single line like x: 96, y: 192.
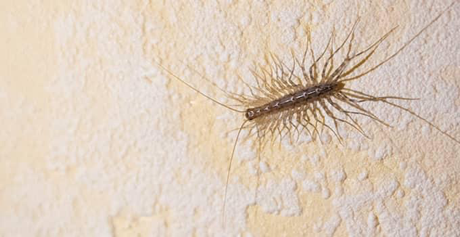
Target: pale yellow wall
x: 97, y: 140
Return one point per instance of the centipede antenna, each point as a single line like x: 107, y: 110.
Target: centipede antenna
x: 227, y: 93
x: 196, y: 90
x: 229, y: 169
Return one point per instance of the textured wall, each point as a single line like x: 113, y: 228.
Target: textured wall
x: 96, y: 140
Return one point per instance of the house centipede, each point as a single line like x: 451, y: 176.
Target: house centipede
x: 298, y: 98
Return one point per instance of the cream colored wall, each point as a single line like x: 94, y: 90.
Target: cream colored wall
x: 96, y: 140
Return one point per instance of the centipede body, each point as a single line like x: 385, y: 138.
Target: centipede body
x: 291, y: 101
x: 298, y: 97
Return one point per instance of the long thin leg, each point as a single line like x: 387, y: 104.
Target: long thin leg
x: 423, y: 119
x: 405, y: 44
x: 355, y: 124
x: 342, y: 96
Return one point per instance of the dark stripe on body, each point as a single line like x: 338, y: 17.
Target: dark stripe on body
x: 291, y: 100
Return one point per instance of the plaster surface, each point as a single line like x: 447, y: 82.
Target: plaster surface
x: 97, y: 140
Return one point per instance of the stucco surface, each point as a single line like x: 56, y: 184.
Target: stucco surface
x: 97, y: 140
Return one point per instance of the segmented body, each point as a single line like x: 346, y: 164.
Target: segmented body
x: 303, y: 94
x: 293, y: 100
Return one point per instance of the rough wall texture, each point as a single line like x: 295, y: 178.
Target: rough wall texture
x: 97, y: 140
